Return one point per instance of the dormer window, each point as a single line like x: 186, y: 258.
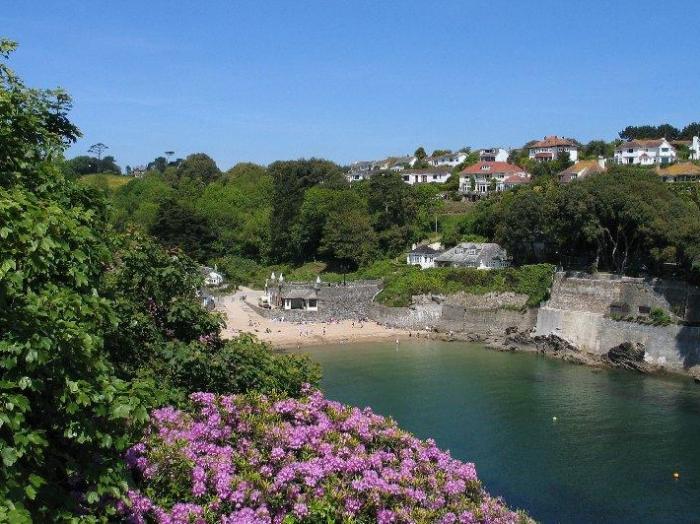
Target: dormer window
x: 485, y: 167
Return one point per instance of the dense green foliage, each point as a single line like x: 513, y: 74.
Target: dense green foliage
x: 290, y: 213
x: 95, y: 327
x: 533, y: 281
x: 626, y: 220
x: 661, y: 131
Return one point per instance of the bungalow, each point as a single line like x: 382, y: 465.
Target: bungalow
x: 436, y: 175
x: 291, y: 295
x: 449, y: 159
x: 551, y: 147
x: 680, y: 172
x: 485, y: 177
x: 695, y: 148
x: 645, y: 152
x: 493, y: 154
x: 422, y: 255
x: 476, y: 255
x: 582, y: 169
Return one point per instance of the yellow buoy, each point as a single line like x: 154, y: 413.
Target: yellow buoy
x: 676, y: 475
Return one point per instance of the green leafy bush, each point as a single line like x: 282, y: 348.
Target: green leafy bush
x: 533, y: 281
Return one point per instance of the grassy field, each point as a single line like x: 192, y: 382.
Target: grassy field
x: 106, y: 181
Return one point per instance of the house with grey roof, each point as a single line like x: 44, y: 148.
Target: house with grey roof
x: 480, y: 255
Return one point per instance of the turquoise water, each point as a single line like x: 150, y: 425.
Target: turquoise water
x: 609, y: 456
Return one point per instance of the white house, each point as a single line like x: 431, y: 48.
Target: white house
x: 426, y: 176
x: 493, y: 154
x: 551, y: 147
x: 695, y: 149
x: 212, y: 277
x: 645, y: 152
x: 449, y: 159
x: 423, y: 256
x: 485, y: 177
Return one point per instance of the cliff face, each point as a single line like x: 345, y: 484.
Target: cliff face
x: 582, y: 311
x: 580, y: 314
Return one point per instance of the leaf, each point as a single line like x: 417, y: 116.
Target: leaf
x: 9, y: 456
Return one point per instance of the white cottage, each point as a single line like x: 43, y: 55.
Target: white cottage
x: 645, y: 152
x: 438, y: 175
x: 449, y: 159
x: 423, y: 256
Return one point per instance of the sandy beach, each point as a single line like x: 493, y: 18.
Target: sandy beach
x: 241, y: 318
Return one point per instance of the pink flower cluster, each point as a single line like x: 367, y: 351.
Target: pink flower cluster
x: 251, y: 459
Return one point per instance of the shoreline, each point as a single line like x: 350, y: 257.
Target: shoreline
x: 241, y: 318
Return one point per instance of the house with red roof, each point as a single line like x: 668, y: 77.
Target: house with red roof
x: 485, y: 177
x: 551, y: 147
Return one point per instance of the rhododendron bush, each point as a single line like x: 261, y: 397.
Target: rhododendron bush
x: 246, y: 459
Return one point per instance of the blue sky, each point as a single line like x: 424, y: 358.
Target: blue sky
x: 266, y: 80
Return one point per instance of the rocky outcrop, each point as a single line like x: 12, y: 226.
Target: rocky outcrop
x: 627, y: 355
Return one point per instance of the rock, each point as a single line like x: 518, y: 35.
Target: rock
x: 554, y: 344
x: 627, y: 356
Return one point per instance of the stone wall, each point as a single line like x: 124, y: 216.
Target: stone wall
x: 335, y: 302
x: 579, y: 308
x: 673, y: 347
x: 448, y: 314
x: 604, y: 293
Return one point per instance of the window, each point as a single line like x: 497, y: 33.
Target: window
x: 630, y: 150
x: 664, y: 150
x: 644, y: 310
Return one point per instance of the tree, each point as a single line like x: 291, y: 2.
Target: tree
x: 97, y: 149
x: 66, y: 417
x: 691, y: 130
x: 348, y: 238
x: 290, y: 181
x: 596, y: 148
x: 177, y: 225
x: 650, y: 132
x: 440, y: 152
x: 420, y: 153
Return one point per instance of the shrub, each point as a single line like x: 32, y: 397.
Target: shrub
x: 254, y: 459
x: 533, y: 281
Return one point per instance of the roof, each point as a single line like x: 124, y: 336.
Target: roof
x: 583, y: 168
x: 424, y: 249
x: 493, y: 167
x: 515, y: 179
x: 299, y: 292
x: 553, y: 141
x: 641, y: 144
x: 472, y: 253
x: 680, y: 169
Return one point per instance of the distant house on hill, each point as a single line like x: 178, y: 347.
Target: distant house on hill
x: 493, y: 154
x: 551, y: 147
x: 486, y: 177
x: 582, y: 169
x: 364, y: 169
x: 422, y: 255
x: 449, y: 159
x: 695, y: 148
x: 475, y: 255
x: 435, y: 175
x: 680, y: 172
x: 645, y: 152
